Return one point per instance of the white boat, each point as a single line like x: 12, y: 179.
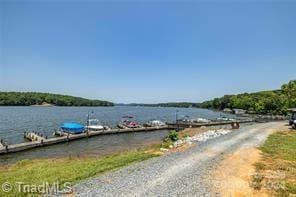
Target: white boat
x: 155, y: 123
x: 94, y: 125
x: 225, y: 119
x: 200, y: 120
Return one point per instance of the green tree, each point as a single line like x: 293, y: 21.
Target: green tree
x: 32, y: 98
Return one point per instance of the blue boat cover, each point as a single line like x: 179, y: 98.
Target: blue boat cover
x: 72, y: 127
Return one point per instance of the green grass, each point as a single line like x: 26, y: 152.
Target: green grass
x: 281, y: 145
x: 291, y: 188
x: 279, y: 157
x: 64, y: 170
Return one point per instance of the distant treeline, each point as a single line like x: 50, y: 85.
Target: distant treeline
x: 34, y: 98
x: 265, y: 102
x: 175, y: 104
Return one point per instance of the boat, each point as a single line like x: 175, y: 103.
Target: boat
x: 155, y: 123
x: 225, y: 119
x: 127, y: 122
x: 184, y: 119
x: 94, y: 125
x: 72, y: 128
x: 200, y: 120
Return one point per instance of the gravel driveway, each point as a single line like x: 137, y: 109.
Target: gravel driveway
x: 178, y: 173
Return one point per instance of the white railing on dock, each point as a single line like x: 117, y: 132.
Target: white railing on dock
x: 33, y: 136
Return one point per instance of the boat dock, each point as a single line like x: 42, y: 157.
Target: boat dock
x: 183, y: 125
x: 33, y: 136
x: 38, y: 140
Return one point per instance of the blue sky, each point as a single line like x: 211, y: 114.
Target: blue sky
x: 147, y: 51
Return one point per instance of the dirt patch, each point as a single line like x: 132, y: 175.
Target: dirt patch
x: 234, y: 174
x: 237, y: 173
x: 193, y: 131
x: 155, y: 152
x: 182, y: 148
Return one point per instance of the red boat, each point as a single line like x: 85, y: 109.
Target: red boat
x: 126, y: 122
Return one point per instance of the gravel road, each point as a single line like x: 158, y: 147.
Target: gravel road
x: 176, y: 174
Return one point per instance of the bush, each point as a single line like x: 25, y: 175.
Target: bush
x: 173, y: 135
x: 186, y: 135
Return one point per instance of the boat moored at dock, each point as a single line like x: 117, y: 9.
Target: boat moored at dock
x: 94, y: 125
x: 127, y: 122
x: 225, y: 119
x: 200, y: 120
x: 72, y: 128
x: 75, y: 131
x: 155, y: 123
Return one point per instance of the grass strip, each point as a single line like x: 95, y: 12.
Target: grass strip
x: 62, y: 170
x: 276, y: 172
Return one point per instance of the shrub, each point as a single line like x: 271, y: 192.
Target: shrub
x: 173, y: 135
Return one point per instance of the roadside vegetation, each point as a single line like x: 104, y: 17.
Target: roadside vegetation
x: 35, y: 98
x: 70, y: 169
x: 276, y: 172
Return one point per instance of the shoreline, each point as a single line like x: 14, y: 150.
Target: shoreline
x: 178, y: 173
x: 43, y: 105
x: 64, y: 165
x: 38, y: 140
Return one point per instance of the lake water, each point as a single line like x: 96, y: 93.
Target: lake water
x: 15, y: 120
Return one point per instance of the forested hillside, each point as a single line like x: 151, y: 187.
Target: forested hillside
x: 34, y: 98
x: 173, y: 104
x: 265, y: 102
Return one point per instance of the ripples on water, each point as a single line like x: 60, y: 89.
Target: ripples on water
x: 15, y: 120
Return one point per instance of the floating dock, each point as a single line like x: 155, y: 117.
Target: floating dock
x: 183, y: 125
x: 38, y: 140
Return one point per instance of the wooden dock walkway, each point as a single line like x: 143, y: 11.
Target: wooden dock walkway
x: 182, y: 125
x: 38, y: 140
